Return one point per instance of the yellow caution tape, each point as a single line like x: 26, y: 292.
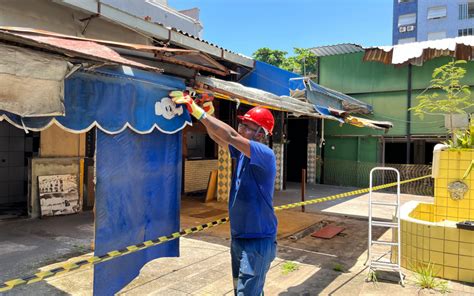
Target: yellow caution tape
x: 8, y: 285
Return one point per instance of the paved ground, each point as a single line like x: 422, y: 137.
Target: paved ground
x: 355, y: 206
x: 204, y: 265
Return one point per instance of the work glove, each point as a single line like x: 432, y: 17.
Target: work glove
x: 183, y: 98
x: 204, y: 100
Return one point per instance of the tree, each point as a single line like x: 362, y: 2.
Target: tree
x: 303, y: 61
x: 447, y: 97
x: 273, y: 57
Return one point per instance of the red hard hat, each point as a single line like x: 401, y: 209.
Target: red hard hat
x: 261, y: 117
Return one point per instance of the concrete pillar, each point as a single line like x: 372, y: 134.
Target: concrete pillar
x: 224, y: 174
x: 279, y: 149
x: 312, y: 150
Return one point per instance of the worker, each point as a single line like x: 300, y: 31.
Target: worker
x: 253, y: 223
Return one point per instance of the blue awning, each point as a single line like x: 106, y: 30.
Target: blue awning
x: 322, y: 96
x: 112, y: 100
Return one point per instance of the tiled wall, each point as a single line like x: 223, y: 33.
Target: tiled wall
x: 196, y: 174
x: 311, y: 163
x: 279, y: 155
x: 450, y: 250
x: 452, y: 167
x: 429, y: 233
x: 424, y: 212
x: 224, y: 174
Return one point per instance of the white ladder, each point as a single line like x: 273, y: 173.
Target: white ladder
x: 378, y: 264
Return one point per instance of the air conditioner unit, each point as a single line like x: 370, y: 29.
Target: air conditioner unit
x: 410, y: 28
x: 402, y: 29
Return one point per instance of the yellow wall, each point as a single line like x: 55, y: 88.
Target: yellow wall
x: 450, y: 250
x: 56, y: 142
x: 429, y: 233
x: 452, y: 167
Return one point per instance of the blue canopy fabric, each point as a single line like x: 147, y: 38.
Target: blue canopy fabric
x: 138, y: 161
x: 327, y: 113
x: 137, y: 199
x: 323, y: 96
x: 112, y: 100
x: 269, y: 78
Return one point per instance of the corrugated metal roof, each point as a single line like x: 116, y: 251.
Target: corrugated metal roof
x: 73, y: 48
x: 101, y: 48
x: 349, y: 103
x: 336, y: 49
x: 258, y: 97
x: 417, y: 53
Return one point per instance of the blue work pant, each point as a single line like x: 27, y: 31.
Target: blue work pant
x: 251, y: 259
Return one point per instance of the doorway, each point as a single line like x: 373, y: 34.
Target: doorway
x: 16, y: 149
x: 297, y: 148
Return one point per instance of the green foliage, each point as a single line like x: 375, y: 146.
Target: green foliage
x: 424, y: 278
x: 462, y: 140
x: 372, y: 276
x: 271, y: 56
x: 448, y: 95
x: 338, y: 267
x: 288, y: 267
x: 468, y: 171
x: 303, y: 61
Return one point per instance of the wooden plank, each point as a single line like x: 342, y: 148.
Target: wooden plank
x: 211, y: 187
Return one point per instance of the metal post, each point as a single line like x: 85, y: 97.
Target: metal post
x: 303, y: 186
x: 408, y: 126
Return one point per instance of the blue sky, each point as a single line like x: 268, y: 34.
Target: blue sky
x: 246, y: 25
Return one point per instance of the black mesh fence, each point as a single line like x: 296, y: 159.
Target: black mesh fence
x: 351, y: 173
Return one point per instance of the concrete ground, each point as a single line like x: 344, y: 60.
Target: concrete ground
x: 28, y: 244
x: 355, y: 206
x: 204, y: 265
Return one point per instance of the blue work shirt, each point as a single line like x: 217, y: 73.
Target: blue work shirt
x: 251, y: 195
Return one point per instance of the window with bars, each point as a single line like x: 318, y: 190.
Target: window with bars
x: 465, y: 32
x: 466, y: 10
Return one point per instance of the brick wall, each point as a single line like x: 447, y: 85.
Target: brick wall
x: 196, y: 174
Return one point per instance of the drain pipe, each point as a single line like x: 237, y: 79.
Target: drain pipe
x: 408, y: 130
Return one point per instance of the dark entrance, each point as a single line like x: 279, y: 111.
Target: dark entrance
x: 297, y: 148
x: 16, y: 149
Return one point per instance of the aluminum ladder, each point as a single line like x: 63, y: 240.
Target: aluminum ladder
x: 382, y: 263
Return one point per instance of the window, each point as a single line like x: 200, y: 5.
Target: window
x: 437, y: 12
x: 406, y: 40
x: 407, y: 19
x: 436, y: 35
x: 465, y: 32
x: 466, y: 10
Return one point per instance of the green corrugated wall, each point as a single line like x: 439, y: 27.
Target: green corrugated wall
x: 385, y: 88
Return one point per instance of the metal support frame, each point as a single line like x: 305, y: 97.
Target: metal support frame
x: 379, y: 263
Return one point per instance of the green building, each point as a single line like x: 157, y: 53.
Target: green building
x: 389, y: 79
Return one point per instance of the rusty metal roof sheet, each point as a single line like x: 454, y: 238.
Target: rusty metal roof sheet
x: 73, y: 48
x: 188, y: 58
x: 417, y: 53
x: 242, y: 94
x: 336, y: 49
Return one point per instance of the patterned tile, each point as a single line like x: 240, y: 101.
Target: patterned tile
x: 224, y: 175
x: 278, y: 150
x: 311, y: 163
